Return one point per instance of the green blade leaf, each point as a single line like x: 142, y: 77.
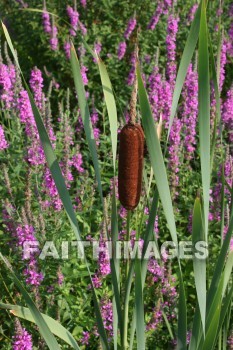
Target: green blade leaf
x: 182, y: 314
x: 41, y: 323
x: 55, y: 327
x: 184, y: 63
x: 111, y: 106
x: 139, y: 307
x: 204, y: 112
x: 156, y: 156
x: 85, y: 114
x: 199, y: 265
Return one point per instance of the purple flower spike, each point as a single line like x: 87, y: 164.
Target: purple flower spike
x: 121, y: 50
x: 130, y: 27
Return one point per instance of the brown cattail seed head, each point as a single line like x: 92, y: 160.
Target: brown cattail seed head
x: 130, y: 165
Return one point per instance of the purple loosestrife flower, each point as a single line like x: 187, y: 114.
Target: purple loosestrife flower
x: 6, y: 86
x: 190, y: 111
x: 172, y: 29
x: 121, y: 50
x: 223, y: 61
x: 156, y: 16
x: 85, y: 338
x: 174, y: 150
x: 107, y: 315
x: 166, y: 102
x: 82, y: 28
x: 97, y: 49
x: 103, y: 261
x: 74, y: 19
x: 46, y: 20
x: 130, y: 27
x: 83, y: 3
x: 131, y: 76
x: 77, y: 162
x: 163, y: 7
x: 22, y: 340
x: 67, y: 48
x: 155, y: 92
x: 94, y: 121
x: 36, y: 84
x: 51, y: 190
x: 53, y: 39
x: 84, y: 71
x: 227, y: 114
x: 3, y: 142
x: 192, y: 13
x: 31, y: 272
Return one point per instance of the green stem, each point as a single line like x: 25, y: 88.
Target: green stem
x: 127, y: 290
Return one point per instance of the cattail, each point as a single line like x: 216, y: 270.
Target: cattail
x: 130, y: 165
x: 131, y: 153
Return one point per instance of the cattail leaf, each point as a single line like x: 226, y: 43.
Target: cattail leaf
x: 39, y: 320
x: 139, y: 307
x: 219, y: 266
x: 85, y: 114
x: 204, y: 112
x: 217, y: 120
x: 182, y: 314
x: 115, y: 271
x: 199, y: 265
x: 225, y: 308
x: 184, y: 63
x: 196, y: 330
x: 156, y: 156
x: 111, y: 106
x: 61, y: 186
x: 149, y: 236
x: 55, y: 327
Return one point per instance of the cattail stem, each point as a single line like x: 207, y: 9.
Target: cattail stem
x: 133, y: 100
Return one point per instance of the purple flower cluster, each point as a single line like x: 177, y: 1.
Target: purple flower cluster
x: 160, y: 96
x: 36, y: 84
x: 94, y: 121
x: 131, y: 76
x: 46, y: 20
x: 83, y: 3
x: 77, y: 162
x: 7, y: 78
x: 192, y: 13
x: 3, y: 142
x: 67, y: 48
x: 163, y: 7
x: 121, y: 50
x: 161, y: 282
x: 85, y: 338
x: 32, y: 274
x: 174, y: 150
x: 84, y: 71
x: 172, y: 29
x: 189, y: 111
x: 74, y: 18
x: 227, y: 114
x: 53, y: 38
x: 130, y: 27
x: 107, y: 315
x: 51, y: 190
x: 223, y: 61
x: 22, y: 340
